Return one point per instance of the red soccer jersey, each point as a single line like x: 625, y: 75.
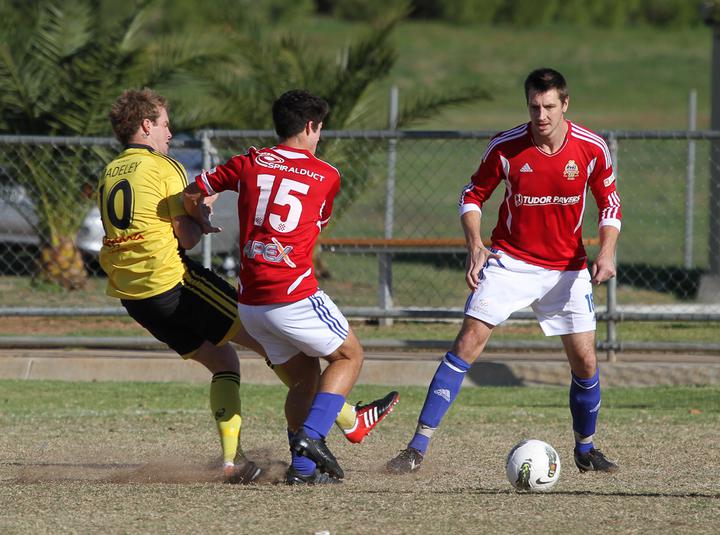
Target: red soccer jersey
x: 540, y: 219
x: 285, y: 197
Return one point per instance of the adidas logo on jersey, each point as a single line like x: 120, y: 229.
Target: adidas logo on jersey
x: 526, y: 168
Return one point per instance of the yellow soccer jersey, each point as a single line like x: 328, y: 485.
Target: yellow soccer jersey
x: 138, y: 195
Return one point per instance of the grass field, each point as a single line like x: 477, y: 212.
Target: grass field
x: 141, y: 458
x: 610, y: 88
x: 18, y: 292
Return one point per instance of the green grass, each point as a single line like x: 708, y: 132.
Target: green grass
x: 142, y: 458
x: 610, y: 88
x: 699, y: 332
x: 358, y: 288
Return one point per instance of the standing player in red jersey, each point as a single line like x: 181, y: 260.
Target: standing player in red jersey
x: 285, y: 197
x: 537, y: 258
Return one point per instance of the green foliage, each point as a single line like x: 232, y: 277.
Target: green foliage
x: 233, y: 14
x: 605, y: 13
x: 60, y: 70
x: 663, y: 13
x: 528, y: 12
x: 523, y: 13
x: 467, y: 11
x: 368, y: 10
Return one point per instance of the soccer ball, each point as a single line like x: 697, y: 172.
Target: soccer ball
x: 533, y: 465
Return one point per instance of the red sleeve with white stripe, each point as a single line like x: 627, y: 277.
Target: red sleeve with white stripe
x: 223, y: 177
x: 483, y: 183
x: 602, y: 179
x: 327, y: 206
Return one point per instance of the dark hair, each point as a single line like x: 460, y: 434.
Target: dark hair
x: 131, y: 109
x: 542, y: 80
x: 292, y: 111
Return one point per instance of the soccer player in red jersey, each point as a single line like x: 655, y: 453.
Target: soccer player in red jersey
x: 285, y: 197
x: 537, y: 257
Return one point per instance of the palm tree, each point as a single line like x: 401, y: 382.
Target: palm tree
x: 62, y: 64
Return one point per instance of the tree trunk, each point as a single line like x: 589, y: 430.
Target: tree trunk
x: 63, y: 265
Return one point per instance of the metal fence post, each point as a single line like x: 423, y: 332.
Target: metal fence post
x: 385, y: 259
x: 611, y: 337
x: 714, y: 222
x: 690, y: 182
x: 207, y: 164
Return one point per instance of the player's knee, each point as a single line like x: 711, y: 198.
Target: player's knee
x: 218, y: 358
x: 471, y: 339
x: 352, y: 350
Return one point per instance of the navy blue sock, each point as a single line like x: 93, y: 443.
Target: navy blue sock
x: 584, y: 407
x: 323, y: 411
x: 304, y: 465
x: 442, y: 391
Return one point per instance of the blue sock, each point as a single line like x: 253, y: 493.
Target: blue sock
x: 442, y: 391
x: 584, y: 407
x: 302, y: 464
x: 323, y: 411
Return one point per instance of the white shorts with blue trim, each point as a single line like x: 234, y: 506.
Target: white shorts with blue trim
x: 314, y: 326
x: 562, y: 300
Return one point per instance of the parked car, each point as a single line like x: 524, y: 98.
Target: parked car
x: 18, y: 220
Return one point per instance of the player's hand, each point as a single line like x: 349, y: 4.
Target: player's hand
x: 476, y: 260
x: 210, y: 200
x: 603, y: 269
x: 205, y: 211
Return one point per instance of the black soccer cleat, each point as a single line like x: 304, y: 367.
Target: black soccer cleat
x: 594, y: 461
x: 242, y: 473
x: 316, y: 450
x: 293, y: 477
x: 408, y: 460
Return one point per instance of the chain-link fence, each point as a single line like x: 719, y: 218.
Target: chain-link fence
x: 394, y: 247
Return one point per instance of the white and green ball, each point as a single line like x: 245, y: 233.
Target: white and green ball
x: 533, y: 466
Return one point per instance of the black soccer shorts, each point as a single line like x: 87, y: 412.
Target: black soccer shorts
x: 203, y: 307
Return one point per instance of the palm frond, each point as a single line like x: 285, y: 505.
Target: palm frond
x: 64, y: 30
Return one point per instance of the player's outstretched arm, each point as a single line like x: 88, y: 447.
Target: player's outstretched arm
x: 187, y: 231
x: 603, y: 268
x: 199, y: 207
x: 478, y: 254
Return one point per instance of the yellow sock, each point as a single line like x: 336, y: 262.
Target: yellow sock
x: 346, y: 417
x: 225, y: 406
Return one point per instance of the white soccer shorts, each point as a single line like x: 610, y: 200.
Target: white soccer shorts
x: 314, y: 326
x: 562, y: 300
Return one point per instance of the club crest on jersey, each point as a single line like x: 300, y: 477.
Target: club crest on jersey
x: 267, y: 159
x: 571, y: 170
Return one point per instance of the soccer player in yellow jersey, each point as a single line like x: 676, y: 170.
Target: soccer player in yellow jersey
x: 177, y: 300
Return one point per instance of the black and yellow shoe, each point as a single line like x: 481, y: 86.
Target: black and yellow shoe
x: 241, y: 473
